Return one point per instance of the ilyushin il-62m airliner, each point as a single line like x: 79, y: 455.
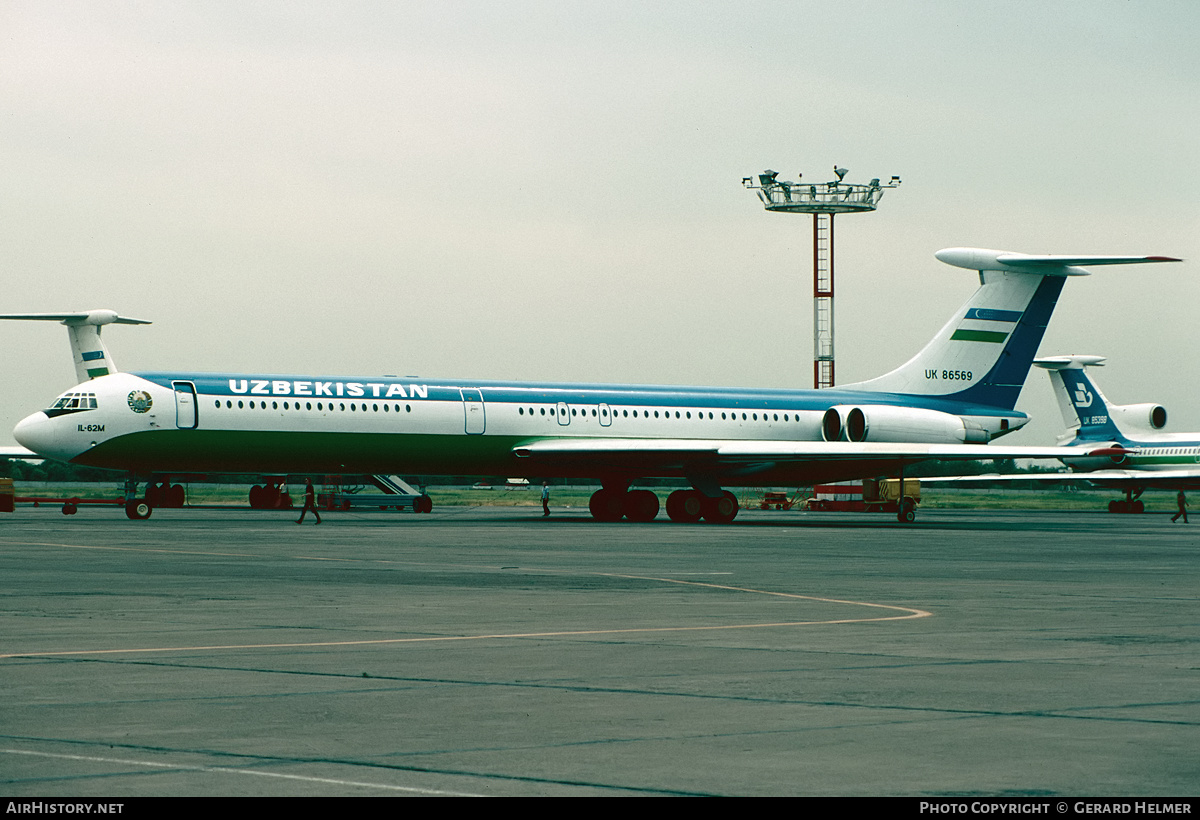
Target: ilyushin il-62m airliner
x: 947, y: 402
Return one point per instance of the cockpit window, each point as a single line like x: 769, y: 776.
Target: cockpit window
x: 72, y: 403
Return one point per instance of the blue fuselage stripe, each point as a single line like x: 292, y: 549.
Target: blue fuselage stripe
x: 342, y: 388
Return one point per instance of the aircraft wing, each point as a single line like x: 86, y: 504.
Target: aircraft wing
x: 1163, y: 479
x: 675, y: 454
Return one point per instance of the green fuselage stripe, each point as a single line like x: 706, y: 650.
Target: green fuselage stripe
x: 230, y: 451
x: 1164, y: 460
x: 271, y: 452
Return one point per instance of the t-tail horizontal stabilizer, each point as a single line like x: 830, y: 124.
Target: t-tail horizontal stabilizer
x: 981, y: 259
x: 92, y: 358
x: 984, y: 352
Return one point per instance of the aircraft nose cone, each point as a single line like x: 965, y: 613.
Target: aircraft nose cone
x: 37, y: 433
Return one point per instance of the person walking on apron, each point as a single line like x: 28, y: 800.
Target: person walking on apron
x: 1181, y: 500
x: 310, y: 502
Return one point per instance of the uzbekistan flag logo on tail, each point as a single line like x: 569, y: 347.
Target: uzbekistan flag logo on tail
x: 983, y: 322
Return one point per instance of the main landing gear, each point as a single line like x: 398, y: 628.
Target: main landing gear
x: 165, y: 494
x: 692, y: 505
x: 610, y: 504
x: 270, y: 497
x: 1132, y: 503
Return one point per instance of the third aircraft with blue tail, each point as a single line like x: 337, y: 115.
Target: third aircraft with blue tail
x: 1124, y: 443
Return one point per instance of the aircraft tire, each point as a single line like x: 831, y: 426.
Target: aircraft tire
x: 908, y: 512
x: 720, y: 510
x: 1138, y: 506
x: 684, y: 506
x: 641, y: 505
x: 607, y: 505
x: 138, y: 510
x: 423, y: 504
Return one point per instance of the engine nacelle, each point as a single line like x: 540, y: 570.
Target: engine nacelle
x: 889, y: 423
x: 1085, y: 464
x: 1141, y: 416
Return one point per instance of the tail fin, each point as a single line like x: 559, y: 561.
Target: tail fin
x: 92, y: 358
x: 1086, y: 412
x: 1084, y: 408
x: 984, y: 352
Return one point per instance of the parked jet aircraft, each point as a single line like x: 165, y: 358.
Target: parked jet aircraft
x: 1125, y: 448
x: 946, y: 402
x: 1110, y: 445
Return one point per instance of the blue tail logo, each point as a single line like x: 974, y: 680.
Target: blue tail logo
x: 1083, y: 397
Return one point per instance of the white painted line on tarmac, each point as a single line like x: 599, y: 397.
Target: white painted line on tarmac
x: 150, y: 764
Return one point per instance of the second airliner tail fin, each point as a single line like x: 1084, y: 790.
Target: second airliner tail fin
x: 1087, y: 414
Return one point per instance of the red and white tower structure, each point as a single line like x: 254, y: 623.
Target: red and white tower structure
x: 823, y: 201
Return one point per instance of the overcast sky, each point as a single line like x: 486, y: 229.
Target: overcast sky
x: 552, y: 190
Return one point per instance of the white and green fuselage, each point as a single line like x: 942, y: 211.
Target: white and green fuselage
x: 187, y: 422
x: 948, y: 401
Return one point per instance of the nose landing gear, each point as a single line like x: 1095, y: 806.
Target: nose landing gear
x: 138, y: 509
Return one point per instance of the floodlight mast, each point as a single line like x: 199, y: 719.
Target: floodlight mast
x: 822, y: 200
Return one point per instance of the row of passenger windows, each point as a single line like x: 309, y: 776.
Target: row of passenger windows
x: 544, y: 411
x: 700, y: 414
x: 321, y: 406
